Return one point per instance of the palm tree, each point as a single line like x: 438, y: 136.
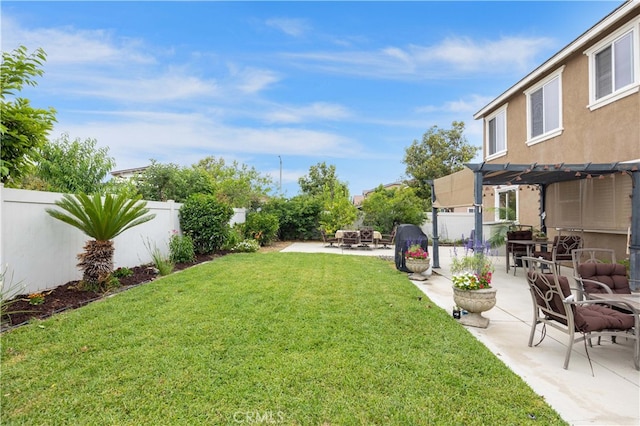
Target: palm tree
x: 101, y: 220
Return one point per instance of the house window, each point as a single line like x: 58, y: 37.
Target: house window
x: 497, y: 133
x: 544, y: 109
x: 506, y: 203
x: 613, y: 67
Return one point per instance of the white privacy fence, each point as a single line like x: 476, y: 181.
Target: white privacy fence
x: 38, y: 252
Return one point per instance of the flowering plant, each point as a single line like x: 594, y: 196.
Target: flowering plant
x: 472, y: 272
x: 415, y: 251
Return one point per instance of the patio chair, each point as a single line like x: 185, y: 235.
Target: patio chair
x: 596, y: 271
x: 561, y: 250
x: 350, y: 238
x: 388, y: 239
x: 555, y: 306
x: 328, y: 240
x: 516, y: 251
x: 366, y: 237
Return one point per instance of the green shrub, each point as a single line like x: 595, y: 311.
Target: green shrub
x: 298, y: 217
x: 247, y: 246
x: 206, y: 221
x: 122, y: 272
x: 236, y: 235
x: 262, y: 227
x: 181, y: 249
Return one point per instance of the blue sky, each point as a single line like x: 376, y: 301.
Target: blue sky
x: 352, y: 84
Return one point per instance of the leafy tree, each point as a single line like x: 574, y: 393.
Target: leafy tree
x: 385, y: 208
x: 440, y: 153
x: 320, y: 178
x: 236, y: 184
x: 23, y: 129
x: 298, y: 216
x: 206, y: 221
x: 338, y: 211
x: 102, y: 219
x: 162, y: 182
x: 73, y: 166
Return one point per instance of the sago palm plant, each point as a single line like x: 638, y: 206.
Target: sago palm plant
x: 101, y: 219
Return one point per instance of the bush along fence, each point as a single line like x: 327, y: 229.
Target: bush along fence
x: 38, y: 252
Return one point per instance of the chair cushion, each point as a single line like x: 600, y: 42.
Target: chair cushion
x: 555, y: 303
x: 613, y: 275
x: 598, y: 317
x: 519, y: 235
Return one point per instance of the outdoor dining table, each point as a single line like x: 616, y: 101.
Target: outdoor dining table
x: 632, y: 300
x: 377, y: 235
x: 530, y: 245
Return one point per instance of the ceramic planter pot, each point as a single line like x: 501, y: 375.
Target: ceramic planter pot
x: 475, y: 302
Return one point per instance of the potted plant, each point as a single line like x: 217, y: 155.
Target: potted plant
x: 417, y: 260
x: 472, y: 288
x: 539, y: 235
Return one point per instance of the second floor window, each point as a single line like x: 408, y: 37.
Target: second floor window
x: 614, y: 66
x: 544, y: 109
x: 497, y: 133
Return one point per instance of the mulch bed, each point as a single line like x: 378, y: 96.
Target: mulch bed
x: 68, y: 296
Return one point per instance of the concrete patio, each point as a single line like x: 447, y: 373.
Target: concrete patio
x: 611, y: 396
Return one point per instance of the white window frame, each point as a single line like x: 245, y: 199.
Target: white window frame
x: 547, y: 133
x: 501, y: 152
x: 496, y: 200
x: 634, y: 28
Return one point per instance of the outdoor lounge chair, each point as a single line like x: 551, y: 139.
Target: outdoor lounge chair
x: 596, y: 271
x: 328, y: 240
x: 561, y: 249
x: 388, y: 239
x: 555, y: 306
x: 516, y: 251
x: 366, y: 237
x: 350, y: 238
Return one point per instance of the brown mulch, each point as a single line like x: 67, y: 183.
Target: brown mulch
x: 68, y: 296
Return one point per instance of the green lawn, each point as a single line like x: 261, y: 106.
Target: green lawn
x: 290, y: 338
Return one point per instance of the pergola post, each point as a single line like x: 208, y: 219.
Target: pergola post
x: 634, y: 243
x: 434, y: 222
x: 478, y: 244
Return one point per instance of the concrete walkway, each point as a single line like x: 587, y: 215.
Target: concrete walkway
x: 611, y: 396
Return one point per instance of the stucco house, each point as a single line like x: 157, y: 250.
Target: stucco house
x: 562, y: 145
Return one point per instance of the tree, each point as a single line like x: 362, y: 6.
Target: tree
x: 385, y: 208
x: 440, y: 153
x: 162, y: 182
x: 23, y: 129
x: 321, y: 177
x: 298, y: 217
x: 339, y: 211
x: 236, y: 184
x: 102, y: 219
x: 73, y: 166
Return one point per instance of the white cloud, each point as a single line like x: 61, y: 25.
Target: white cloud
x: 184, y: 139
x: 70, y: 46
x: 289, y: 26
x: 470, y: 104
x: 452, y: 58
x: 313, y: 112
x: 252, y: 80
